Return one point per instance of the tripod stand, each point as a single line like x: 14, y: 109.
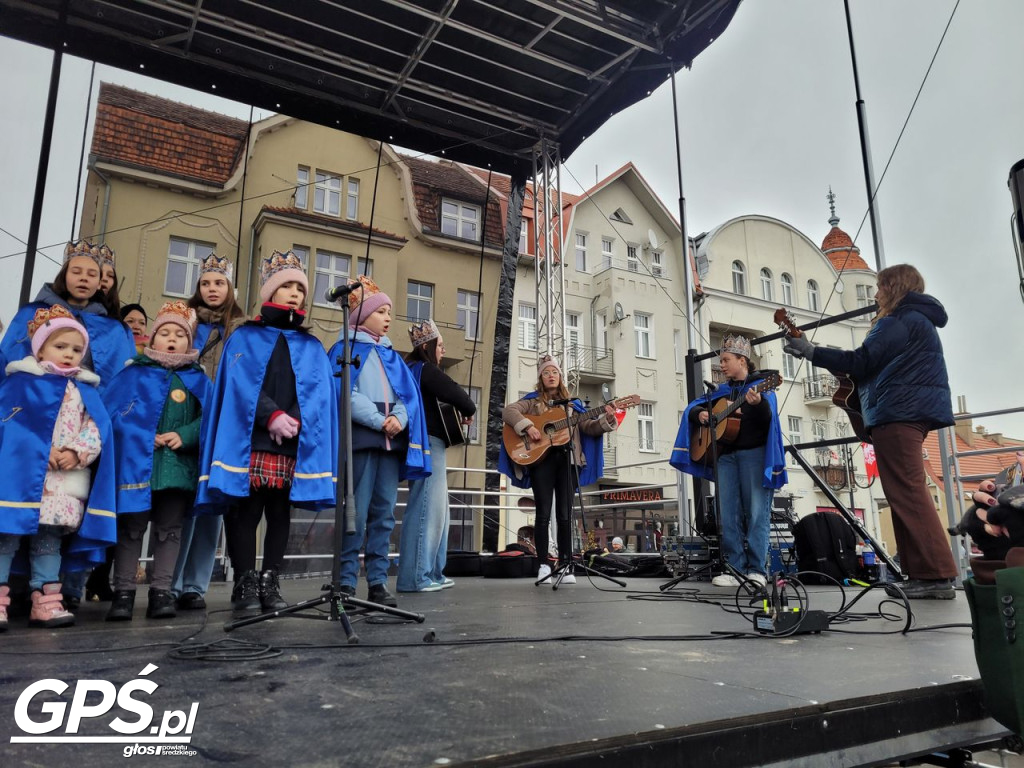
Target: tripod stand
x: 344, y: 508
x: 719, y: 565
x: 572, y: 472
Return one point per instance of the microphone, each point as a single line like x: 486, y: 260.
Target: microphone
x: 553, y: 403
x: 340, y: 291
x: 709, y: 384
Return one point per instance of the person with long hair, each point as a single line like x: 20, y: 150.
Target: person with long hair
x: 750, y: 469
x: 550, y: 476
x: 109, y: 283
x: 424, y: 543
x: 900, y: 374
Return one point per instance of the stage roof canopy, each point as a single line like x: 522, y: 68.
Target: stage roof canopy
x: 483, y: 80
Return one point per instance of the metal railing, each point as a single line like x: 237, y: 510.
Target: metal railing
x: 596, y: 361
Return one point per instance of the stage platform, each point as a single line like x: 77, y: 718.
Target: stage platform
x: 590, y: 674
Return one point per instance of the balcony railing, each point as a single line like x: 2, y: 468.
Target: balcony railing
x: 820, y: 388
x: 596, y: 361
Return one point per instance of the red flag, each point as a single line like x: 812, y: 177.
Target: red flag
x: 620, y: 414
x: 870, y: 466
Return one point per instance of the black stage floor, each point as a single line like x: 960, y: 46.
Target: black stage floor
x: 517, y: 675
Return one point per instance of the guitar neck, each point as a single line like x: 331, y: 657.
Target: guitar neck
x: 733, y: 406
x: 577, y: 417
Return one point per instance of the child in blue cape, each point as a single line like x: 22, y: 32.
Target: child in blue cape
x: 271, y: 439
x: 156, y: 407
x: 389, y: 438
x: 218, y: 315
x: 53, y: 428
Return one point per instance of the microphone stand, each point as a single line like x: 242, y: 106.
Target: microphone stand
x: 344, y: 508
x: 572, y: 472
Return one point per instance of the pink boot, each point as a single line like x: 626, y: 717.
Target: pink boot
x: 5, y: 600
x: 48, y: 610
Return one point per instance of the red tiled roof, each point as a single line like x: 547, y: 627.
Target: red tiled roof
x: 841, y: 251
x: 432, y: 180
x: 142, y: 131
x: 990, y: 464
x: 331, y: 221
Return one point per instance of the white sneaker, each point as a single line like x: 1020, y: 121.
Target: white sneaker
x: 569, y: 579
x: 725, y: 580
x: 543, y: 572
x: 758, y: 578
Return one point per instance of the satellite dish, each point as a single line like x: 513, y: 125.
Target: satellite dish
x: 619, y: 313
x: 840, y: 287
x: 652, y: 238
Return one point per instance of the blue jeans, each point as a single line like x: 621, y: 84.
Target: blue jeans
x: 746, y: 510
x: 43, y: 554
x: 200, y: 535
x: 425, y: 525
x: 376, y: 489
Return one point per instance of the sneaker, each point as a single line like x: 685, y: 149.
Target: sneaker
x: 929, y: 589
x: 446, y: 583
x: 569, y: 579
x: 434, y: 586
x: 725, y: 580
x: 191, y: 601
x: 543, y: 572
x: 758, y: 578
x: 378, y: 593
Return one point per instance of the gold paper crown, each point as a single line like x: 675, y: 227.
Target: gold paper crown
x: 214, y: 263
x: 83, y: 248
x: 358, y: 297
x: 45, y: 315
x: 277, y: 262
x: 421, y: 333
x: 736, y: 345
x: 179, y: 312
x: 107, y: 255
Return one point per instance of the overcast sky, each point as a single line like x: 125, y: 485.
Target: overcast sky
x: 768, y: 124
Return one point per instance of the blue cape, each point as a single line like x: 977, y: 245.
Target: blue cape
x: 774, y: 475
x: 28, y: 411
x: 202, y: 334
x: 592, y: 452
x: 228, y: 422
x: 135, y: 401
x: 110, y: 342
x: 407, y: 390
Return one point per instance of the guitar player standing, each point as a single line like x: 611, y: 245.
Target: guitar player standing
x: 900, y: 373
x: 552, y: 475
x: 750, y: 469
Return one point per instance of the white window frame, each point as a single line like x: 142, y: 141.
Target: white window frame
x: 528, y: 327
x: 789, y: 366
x: 632, y: 258
x: 352, y: 199
x: 457, y: 217
x: 739, y: 278
x: 467, y: 312
x: 645, y: 427
x: 581, y: 252
x: 302, y: 188
x: 473, y: 430
x: 302, y: 252
x: 418, y: 299
x: 786, y: 283
x: 813, y: 296
x: 643, y: 332
x: 601, y: 331
x: 364, y: 266
x: 865, y: 295
x: 329, y: 275
x: 327, y: 193
x: 794, y: 433
x: 195, y: 252
x: 657, y: 267
x: 607, y: 251
x: 573, y: 340
x: 766, y: 284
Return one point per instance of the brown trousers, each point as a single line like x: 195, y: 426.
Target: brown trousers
x: 923, y: 545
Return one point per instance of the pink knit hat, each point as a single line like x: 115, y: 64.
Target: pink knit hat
x: 279, y: 269
x: 364, y: 303
x: 547, y: 361
x: 49, y: 320
x: 177, y: 313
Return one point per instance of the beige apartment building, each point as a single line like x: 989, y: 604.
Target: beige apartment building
x: 169, y: 184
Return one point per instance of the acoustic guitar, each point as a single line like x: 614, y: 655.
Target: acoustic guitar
x: 727, y: 426
x: 554, y: 426
x: 846, y: 396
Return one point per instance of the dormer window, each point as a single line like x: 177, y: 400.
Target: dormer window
x: 620, y: 215
x: 460, y: 220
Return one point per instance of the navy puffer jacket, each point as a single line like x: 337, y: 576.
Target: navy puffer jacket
x: 899, y: 370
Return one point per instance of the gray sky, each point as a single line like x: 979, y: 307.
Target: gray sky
x: 768, y: 123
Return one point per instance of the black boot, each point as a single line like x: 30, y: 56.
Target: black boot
x: 245, y: 595
x: 121, y: 605
x: 270, y: 592
x: 161, y: 604
x: 379, y: 594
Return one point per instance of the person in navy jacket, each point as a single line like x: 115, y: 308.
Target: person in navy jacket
x: 900, y: 373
